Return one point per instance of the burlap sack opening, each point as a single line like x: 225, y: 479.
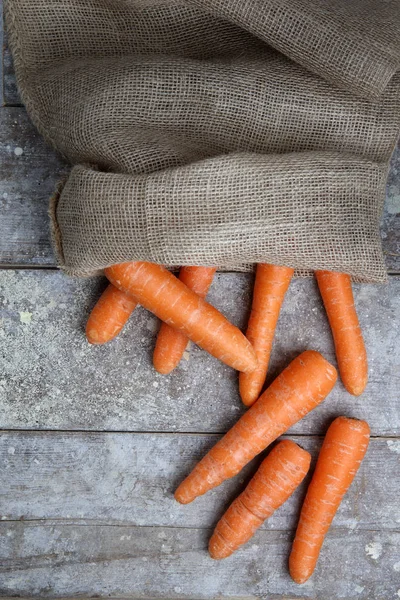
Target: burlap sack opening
x: 206, y: 146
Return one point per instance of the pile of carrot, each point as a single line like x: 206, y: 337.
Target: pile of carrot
x: 179, y: 302
x: 185, y: 315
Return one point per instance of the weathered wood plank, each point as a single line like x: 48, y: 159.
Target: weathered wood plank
x: 390, y: 229
x: 29, y: 173
x: 123, y: 478
x: 10, y: 94
x: 55, y: 559
x: 50, y: 377
x: 29, y: 179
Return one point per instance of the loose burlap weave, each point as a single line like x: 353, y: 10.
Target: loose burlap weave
x: 215, y: 132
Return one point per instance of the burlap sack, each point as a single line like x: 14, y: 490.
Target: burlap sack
x: 353, y: 44
x: 197, y: 143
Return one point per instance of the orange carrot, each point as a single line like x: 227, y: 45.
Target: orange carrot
x: 270, y: 287
x: 342, y: 451
x: 298, y: 389
x: 278, y: 476
x: 172, y: 343
x: 171, y: 301
x: 109, y: 316
x: 351, y: 355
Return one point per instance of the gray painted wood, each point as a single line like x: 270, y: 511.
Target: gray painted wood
x: 10, y: 94
x: 390, y: 229
x: 3, y: 49
x: 50, y: 377
x: 129, y: 479
x: 29, y: 173
x: 58, y: 559
x: 29, y: 179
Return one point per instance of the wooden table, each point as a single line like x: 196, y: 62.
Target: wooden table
x: 94, y: 442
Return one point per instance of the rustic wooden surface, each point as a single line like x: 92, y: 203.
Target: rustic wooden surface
x: 50, y: 375
x: 93, y: 441
x: 129, y: 479
x: 94, y: 513
x: 143, y: 562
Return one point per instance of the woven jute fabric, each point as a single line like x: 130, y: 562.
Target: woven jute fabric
x: 353, y: 44
x: 214, y: 132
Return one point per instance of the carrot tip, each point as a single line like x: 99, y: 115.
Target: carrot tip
x: 300, y: 578
x: 181, y: 499
x: 355, y: 390
x: 93, y: 337
x: 164, y: 369
x: 215, y: 556
x: 252, y: 366
x: 247, y: 396
x: 248, y: 402
x: 97, y: 339
x: 218, y: 548
x: 298, y: 575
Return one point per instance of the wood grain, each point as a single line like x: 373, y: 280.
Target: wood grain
x: 58, y: 559
x: 30, y: 171
x: 51, y: 378
x: 390, y: 228
x: 129, y: 479
x: 11, y: 95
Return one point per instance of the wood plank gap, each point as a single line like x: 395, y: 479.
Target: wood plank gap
x: 91, y: 432
x: 20, y: 267
x: 125, y: 597
x: 100, y: 523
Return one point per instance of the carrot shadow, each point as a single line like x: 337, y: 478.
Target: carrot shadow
x: 100, y: 284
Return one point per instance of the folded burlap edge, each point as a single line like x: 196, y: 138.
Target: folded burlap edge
x: 377, y: 276
x: 56, y: 239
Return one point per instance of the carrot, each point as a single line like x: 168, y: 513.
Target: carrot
x: 278, y: 476
x: 298, y: 389
x: 342, y: 451
x: 171, y: 343
x: 270, y: 287
x: 351, y: 355
x: 109, y: 316
x: 171, y: 300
